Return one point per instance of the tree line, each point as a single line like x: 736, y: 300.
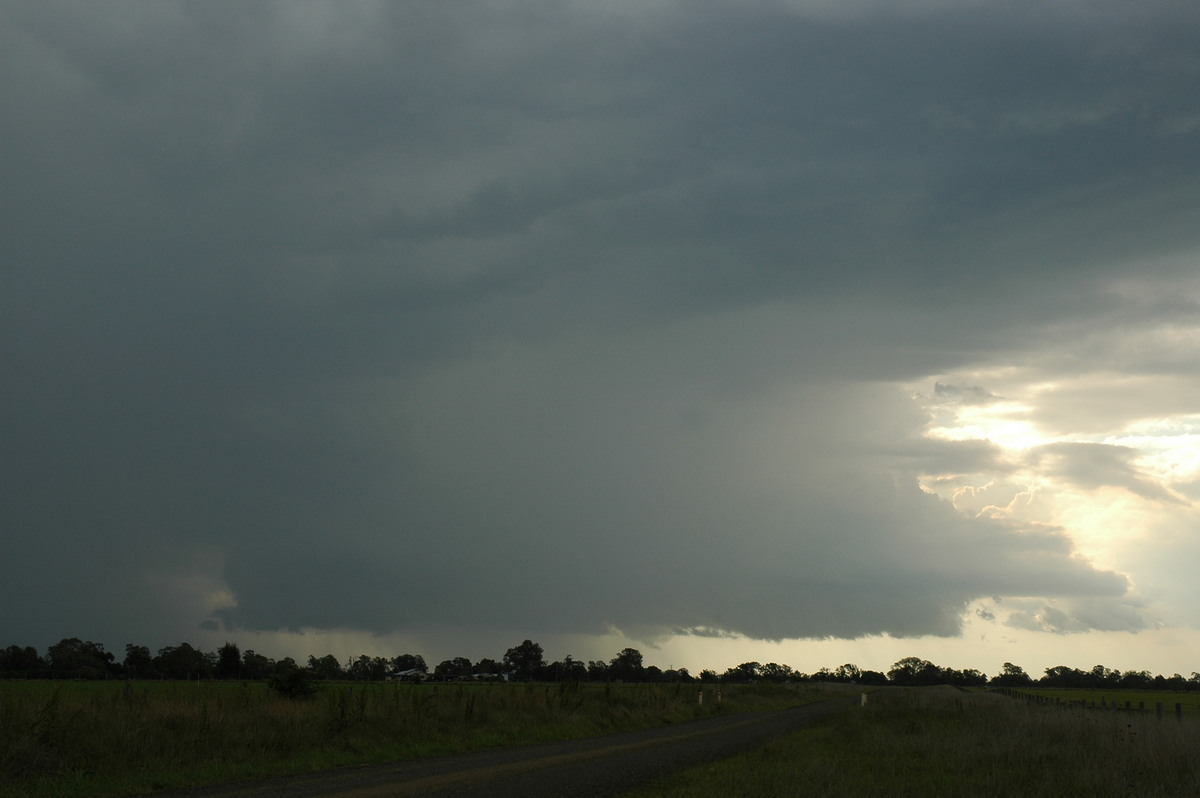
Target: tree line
x: 72, y: 658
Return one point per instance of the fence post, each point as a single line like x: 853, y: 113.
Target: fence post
x: 1158, y: 709
x: 1178, y: 711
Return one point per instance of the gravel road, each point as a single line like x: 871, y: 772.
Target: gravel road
x: 587, y: 768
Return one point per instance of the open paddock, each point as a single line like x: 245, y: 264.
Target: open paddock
x: 1153, y: 702
x: 66, y: 738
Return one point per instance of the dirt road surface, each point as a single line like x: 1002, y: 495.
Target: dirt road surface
x: 587, y: 768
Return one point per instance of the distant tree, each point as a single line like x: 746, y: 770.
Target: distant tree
x: 652, y: 674
x: 256, y: 666
x: 1137, y: 680
x: 379, y: 669
x: 847, y: 673
x: 409, y: 662
x: 1063, y: 676
x: 284, y: 666
x: 524, y: 661
x: 459, y: 667
x: 872, y: 678
x: 914, y: 671
x: 677, y: 675
x: 21, y: 663
x: 1011, y: 676
x: 597, y: 671
x: 359, y: 669
x: 746, y: 672
x: 774, y: 672
x: 327, y: 667
x: 708, y: 676
x: 487, y: 666
x: 626, y: 666
x: 184, y: 662
x: 138, y: 663
x: 1100, y: 676
x: 1176, y: 682
x: 968, y: 677
x: 72, y: 658
x: 367, y: 669
x: 229, y: 661
x: 569, y: 670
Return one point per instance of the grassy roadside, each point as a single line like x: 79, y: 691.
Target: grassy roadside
x: 66, y: 739
x: 937, y: 741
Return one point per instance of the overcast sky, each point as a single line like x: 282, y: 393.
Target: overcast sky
x: 810, y: 332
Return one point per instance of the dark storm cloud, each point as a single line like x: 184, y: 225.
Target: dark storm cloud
x: 390, y: 315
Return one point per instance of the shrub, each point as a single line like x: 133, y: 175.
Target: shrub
x: 297, y: 683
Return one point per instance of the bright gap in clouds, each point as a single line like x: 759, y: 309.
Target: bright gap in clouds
x: 1004, y: 423
x: 1101, y: 458
x: 1169, y: 447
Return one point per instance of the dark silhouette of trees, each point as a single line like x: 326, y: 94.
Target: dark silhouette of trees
x: 487, y: 667
x: 1011, y: 676
x: 968, y: 677
x: 229, y: 661
x: 746, y: 672
x: 255, y: 666
x: 457, y: 668
x: 21, y: 663
x: 626, y: 666
x: 367, y: 669
x: 72, y: 658
x: 409, y: 662
x: 569, y: 670
x: 138, y: 663
x: 184, y: 662
x: 524, y: 661
x: 1100, y: 676
x: 1137, y: 680
x: 774, y: 672
x: 847, y: 673
x: 677, y: 675
x: 285, y: 665
x: 914, y: 671
x: 875, y: 678
x: 327, y: 667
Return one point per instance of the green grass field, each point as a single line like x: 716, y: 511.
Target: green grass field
x: 1134, y: 700
x: 65, y: 739
x: 940, y: 742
